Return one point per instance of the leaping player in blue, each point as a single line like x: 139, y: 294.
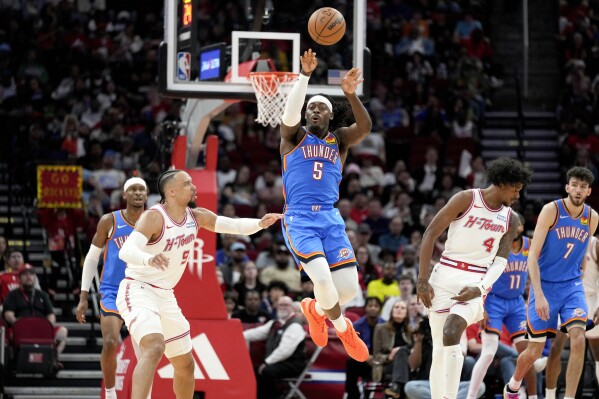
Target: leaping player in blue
x: 113, y: 229
x: 505, y: 305
x: 313, y: 157
x: 562, y: 235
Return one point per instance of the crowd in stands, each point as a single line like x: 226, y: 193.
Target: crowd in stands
x: 578, y: 107
x: 78, y: 86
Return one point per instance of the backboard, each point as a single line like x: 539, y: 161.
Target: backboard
x: 210, y: 46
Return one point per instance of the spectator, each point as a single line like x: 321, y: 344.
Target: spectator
x: 427, y: 176
x: 9, y: 278
x: 223, y: 255
x: 365, y: 326
x: 344, y: 206
x: 408, y: 265
x: 267, y: 256
x: 394, y: 240
x: 232, y: 270
x: 406, y: 289
x: 230, y: 298
x: 477, y: 178
x: 391, y: 348
x: 420, y: 363
x: 29, y: 301
x: 249, y: 281
x: 285, y: 355
x: 464, y: 28
x: 384, y: 287
x: 369, y: 270
x: 379, y: 225
x: 364, y: 236
x: 225, y: 173
x: 251, y: 312
x: 281, y: 270
x: 275, y: 290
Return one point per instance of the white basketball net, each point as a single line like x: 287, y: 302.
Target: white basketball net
x: 272, y: 89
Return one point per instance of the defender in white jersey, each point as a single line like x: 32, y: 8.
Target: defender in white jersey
x: 156, y: 254
x: 481, y: 231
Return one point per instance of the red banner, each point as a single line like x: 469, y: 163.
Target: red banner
x: 59, y: 186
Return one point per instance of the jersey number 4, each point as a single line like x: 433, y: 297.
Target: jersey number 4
x: 488, y: 244
x: 317, y: 170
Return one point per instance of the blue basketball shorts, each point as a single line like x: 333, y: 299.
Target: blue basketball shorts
x: 566, y: 299
x: 511, y: 312
x: 108, y: 301
x: 314, y: 231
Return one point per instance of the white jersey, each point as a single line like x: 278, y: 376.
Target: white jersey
x: 175, y: 242
x: 474, y: 237
x: 590, y: 278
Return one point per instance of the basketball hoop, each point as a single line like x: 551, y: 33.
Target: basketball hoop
x: 272, y: 89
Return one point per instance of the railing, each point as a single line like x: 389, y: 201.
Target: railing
x: 525, y: 44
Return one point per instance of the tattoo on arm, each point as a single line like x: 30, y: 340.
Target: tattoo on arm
x: 506, y: 241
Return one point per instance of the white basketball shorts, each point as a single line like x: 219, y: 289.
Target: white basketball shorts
x: 147, y: 309
x: 447, y: 282
x: 592, y: 305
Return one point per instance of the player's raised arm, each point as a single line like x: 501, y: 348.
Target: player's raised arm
x: 292, y: 115
x: 244, y: 226
x: 453, y: 209
x: 546, y: 220
x: 355, y: 133
x: 90, y: 264
x: 148, y: 226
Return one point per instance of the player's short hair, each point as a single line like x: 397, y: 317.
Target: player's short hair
x: 374, y: 299
x: 580, y: 173
x: 163, y: 180
x: 508, y: 172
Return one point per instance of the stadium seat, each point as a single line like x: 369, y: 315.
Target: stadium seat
x: 33, y: 345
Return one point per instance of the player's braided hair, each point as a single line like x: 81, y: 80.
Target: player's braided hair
x: 163, y: 180
x: 508, y: 172
x: 342, y: 112
x: 580, y: 173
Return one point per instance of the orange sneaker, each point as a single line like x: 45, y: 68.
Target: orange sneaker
x: 319, y: 331
x: 355, y: 347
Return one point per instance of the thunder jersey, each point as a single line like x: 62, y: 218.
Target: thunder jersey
x: 176, y: 242
x: 565, y: 246
x: 113, y: 270
x: 312, y: 171
x: 511, y: 283
x: 474, y: 236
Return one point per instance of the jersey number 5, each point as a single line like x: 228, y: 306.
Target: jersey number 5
x: 488, y: 244
x: 317, y: 171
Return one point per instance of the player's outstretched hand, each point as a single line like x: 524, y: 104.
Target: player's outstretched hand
x: 309, y: 62
x: 81, y: 309
x: 351, y: 81
x: 269, y: 219
x: 467, y: 293
x: 159, y: 262
x: 425, y: 292
x: 542, y: 307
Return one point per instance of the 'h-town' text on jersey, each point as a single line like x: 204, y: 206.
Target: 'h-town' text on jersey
x: 175, y: 242
x: 512, y: 281
x: 312, y: 171
x: 474, y: 236
x: 565, y: 245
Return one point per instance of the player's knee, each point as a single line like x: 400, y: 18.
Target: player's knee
x: 451, y: 334
x: 577, y: 339
x: 154, y: 350
x: 322, y: 281
x: 110, y: 342
x: 186, y: 367
x: 535, y: 349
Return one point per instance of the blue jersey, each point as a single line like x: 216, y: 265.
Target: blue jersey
x: 312, y: 171
x: 114, y: 268
x: 565, y: 246
x: 511, y: 283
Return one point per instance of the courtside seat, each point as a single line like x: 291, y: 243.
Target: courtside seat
x: 305, y: 376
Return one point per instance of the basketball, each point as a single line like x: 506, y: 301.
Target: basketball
x: 326, y: 26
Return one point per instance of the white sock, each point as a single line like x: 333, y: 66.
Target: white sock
x: 550, y: 393
x: 318, y: 309
x: 340, y: 324
x: 568, y: 397
x: 454, y: 360
x: 532, y: 396
x: 597, y: 370
x: 110, y: 393
x: 514, y: 385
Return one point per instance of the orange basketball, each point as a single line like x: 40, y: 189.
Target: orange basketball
x: 326, y: 26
